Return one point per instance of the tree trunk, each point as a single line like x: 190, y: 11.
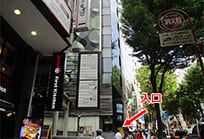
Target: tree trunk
x: 154, y: 86
x: 159, y: 122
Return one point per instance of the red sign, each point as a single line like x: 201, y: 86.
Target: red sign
x: 172, y: 20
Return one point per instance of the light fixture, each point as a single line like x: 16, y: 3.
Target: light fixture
x: 17, y: 11
x: 33, y: 33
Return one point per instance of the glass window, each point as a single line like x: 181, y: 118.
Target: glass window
x: 107, y: 52
x: 106, y: 3
x: 106, y: 11
x: 106, y: 20
x: 107, y: 65
x: 106, y: 41
x: 107, y: 78
x: 106, y: 30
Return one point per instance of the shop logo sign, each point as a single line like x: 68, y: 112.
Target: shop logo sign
x: 173, y: 20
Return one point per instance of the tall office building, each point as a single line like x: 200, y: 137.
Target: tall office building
x: 57, y: 59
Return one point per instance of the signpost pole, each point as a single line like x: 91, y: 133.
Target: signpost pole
x: 196, y: 45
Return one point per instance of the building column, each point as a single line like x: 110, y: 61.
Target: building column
x: 54, y: 123
x: 66, y: 116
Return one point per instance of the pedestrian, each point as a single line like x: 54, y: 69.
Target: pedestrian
x: 139, y: 135
x: 117, y: 135
x: 126, y: 134
x: 99, y: 134
x: 147, y: 135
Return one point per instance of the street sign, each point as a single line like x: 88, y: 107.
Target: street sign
x: 172, y: 20
x: 165, y: 116
x: 176, y: 38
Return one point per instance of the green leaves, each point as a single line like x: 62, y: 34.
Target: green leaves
x: 191, y: 92
x: 169, y: 87
x: 116, y: 80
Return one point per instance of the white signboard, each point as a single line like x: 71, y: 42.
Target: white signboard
x: 176, y: 38
x: 88, y: 81
x: 89, y: 66
x: 61, y: 11
x: 88, y: 94
x: 82, y: 20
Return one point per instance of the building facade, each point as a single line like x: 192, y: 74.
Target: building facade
x: 80, y: 48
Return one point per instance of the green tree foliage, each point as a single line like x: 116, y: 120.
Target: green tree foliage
x: 141, y: 31
x: 169, y: 88
x: 116, y: 80
x: 191, y: 93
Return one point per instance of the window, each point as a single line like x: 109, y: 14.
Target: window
x: 107, y: 52
x: 106, y: 41
x: 106, y: 20
x: 106, y: 30
x: 106, y: 3
x: 107, y: 65
x: 106, y: 11
x: 107, y: 78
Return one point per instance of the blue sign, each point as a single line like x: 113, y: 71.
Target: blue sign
x: 143, y: 118
x: 165, y: 116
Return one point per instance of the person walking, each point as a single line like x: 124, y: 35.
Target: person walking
x: 117, y: 135
x: 99, y: 133
x: 139, y: 135
x: 126, y: 133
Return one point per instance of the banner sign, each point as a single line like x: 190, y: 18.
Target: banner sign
x: 56, y: 83
x: 176, y: 38
x: 82, y: 20
x: 62, y: 13
x: 88, y: 85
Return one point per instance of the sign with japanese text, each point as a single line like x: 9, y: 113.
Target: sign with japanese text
x: 176, y: 38
x: 88, y: 94
x: 56, y: 83
x: 82, y: 20
x: 173, y: 20
x: 61, y: 11
x: 88, y: 80
x: 155, y: 98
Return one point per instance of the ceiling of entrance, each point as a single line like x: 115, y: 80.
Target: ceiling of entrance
x: 47, y: 40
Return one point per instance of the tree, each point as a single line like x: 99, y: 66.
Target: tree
x: 116, y: 80
x: 140, y: 29
x: 169, y: 101
x: 191, y: 93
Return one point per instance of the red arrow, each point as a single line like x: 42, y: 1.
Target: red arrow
x: 138, y: 115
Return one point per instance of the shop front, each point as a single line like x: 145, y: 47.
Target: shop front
x: 17, y: 62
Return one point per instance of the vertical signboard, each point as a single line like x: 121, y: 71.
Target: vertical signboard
x: 61, y: 11
x: 88, y: 85
x: 82, y: 20
x: 56, y: 83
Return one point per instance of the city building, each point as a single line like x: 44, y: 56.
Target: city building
x: 57, y: 60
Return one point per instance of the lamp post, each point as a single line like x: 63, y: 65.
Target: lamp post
x: 78, y: 122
